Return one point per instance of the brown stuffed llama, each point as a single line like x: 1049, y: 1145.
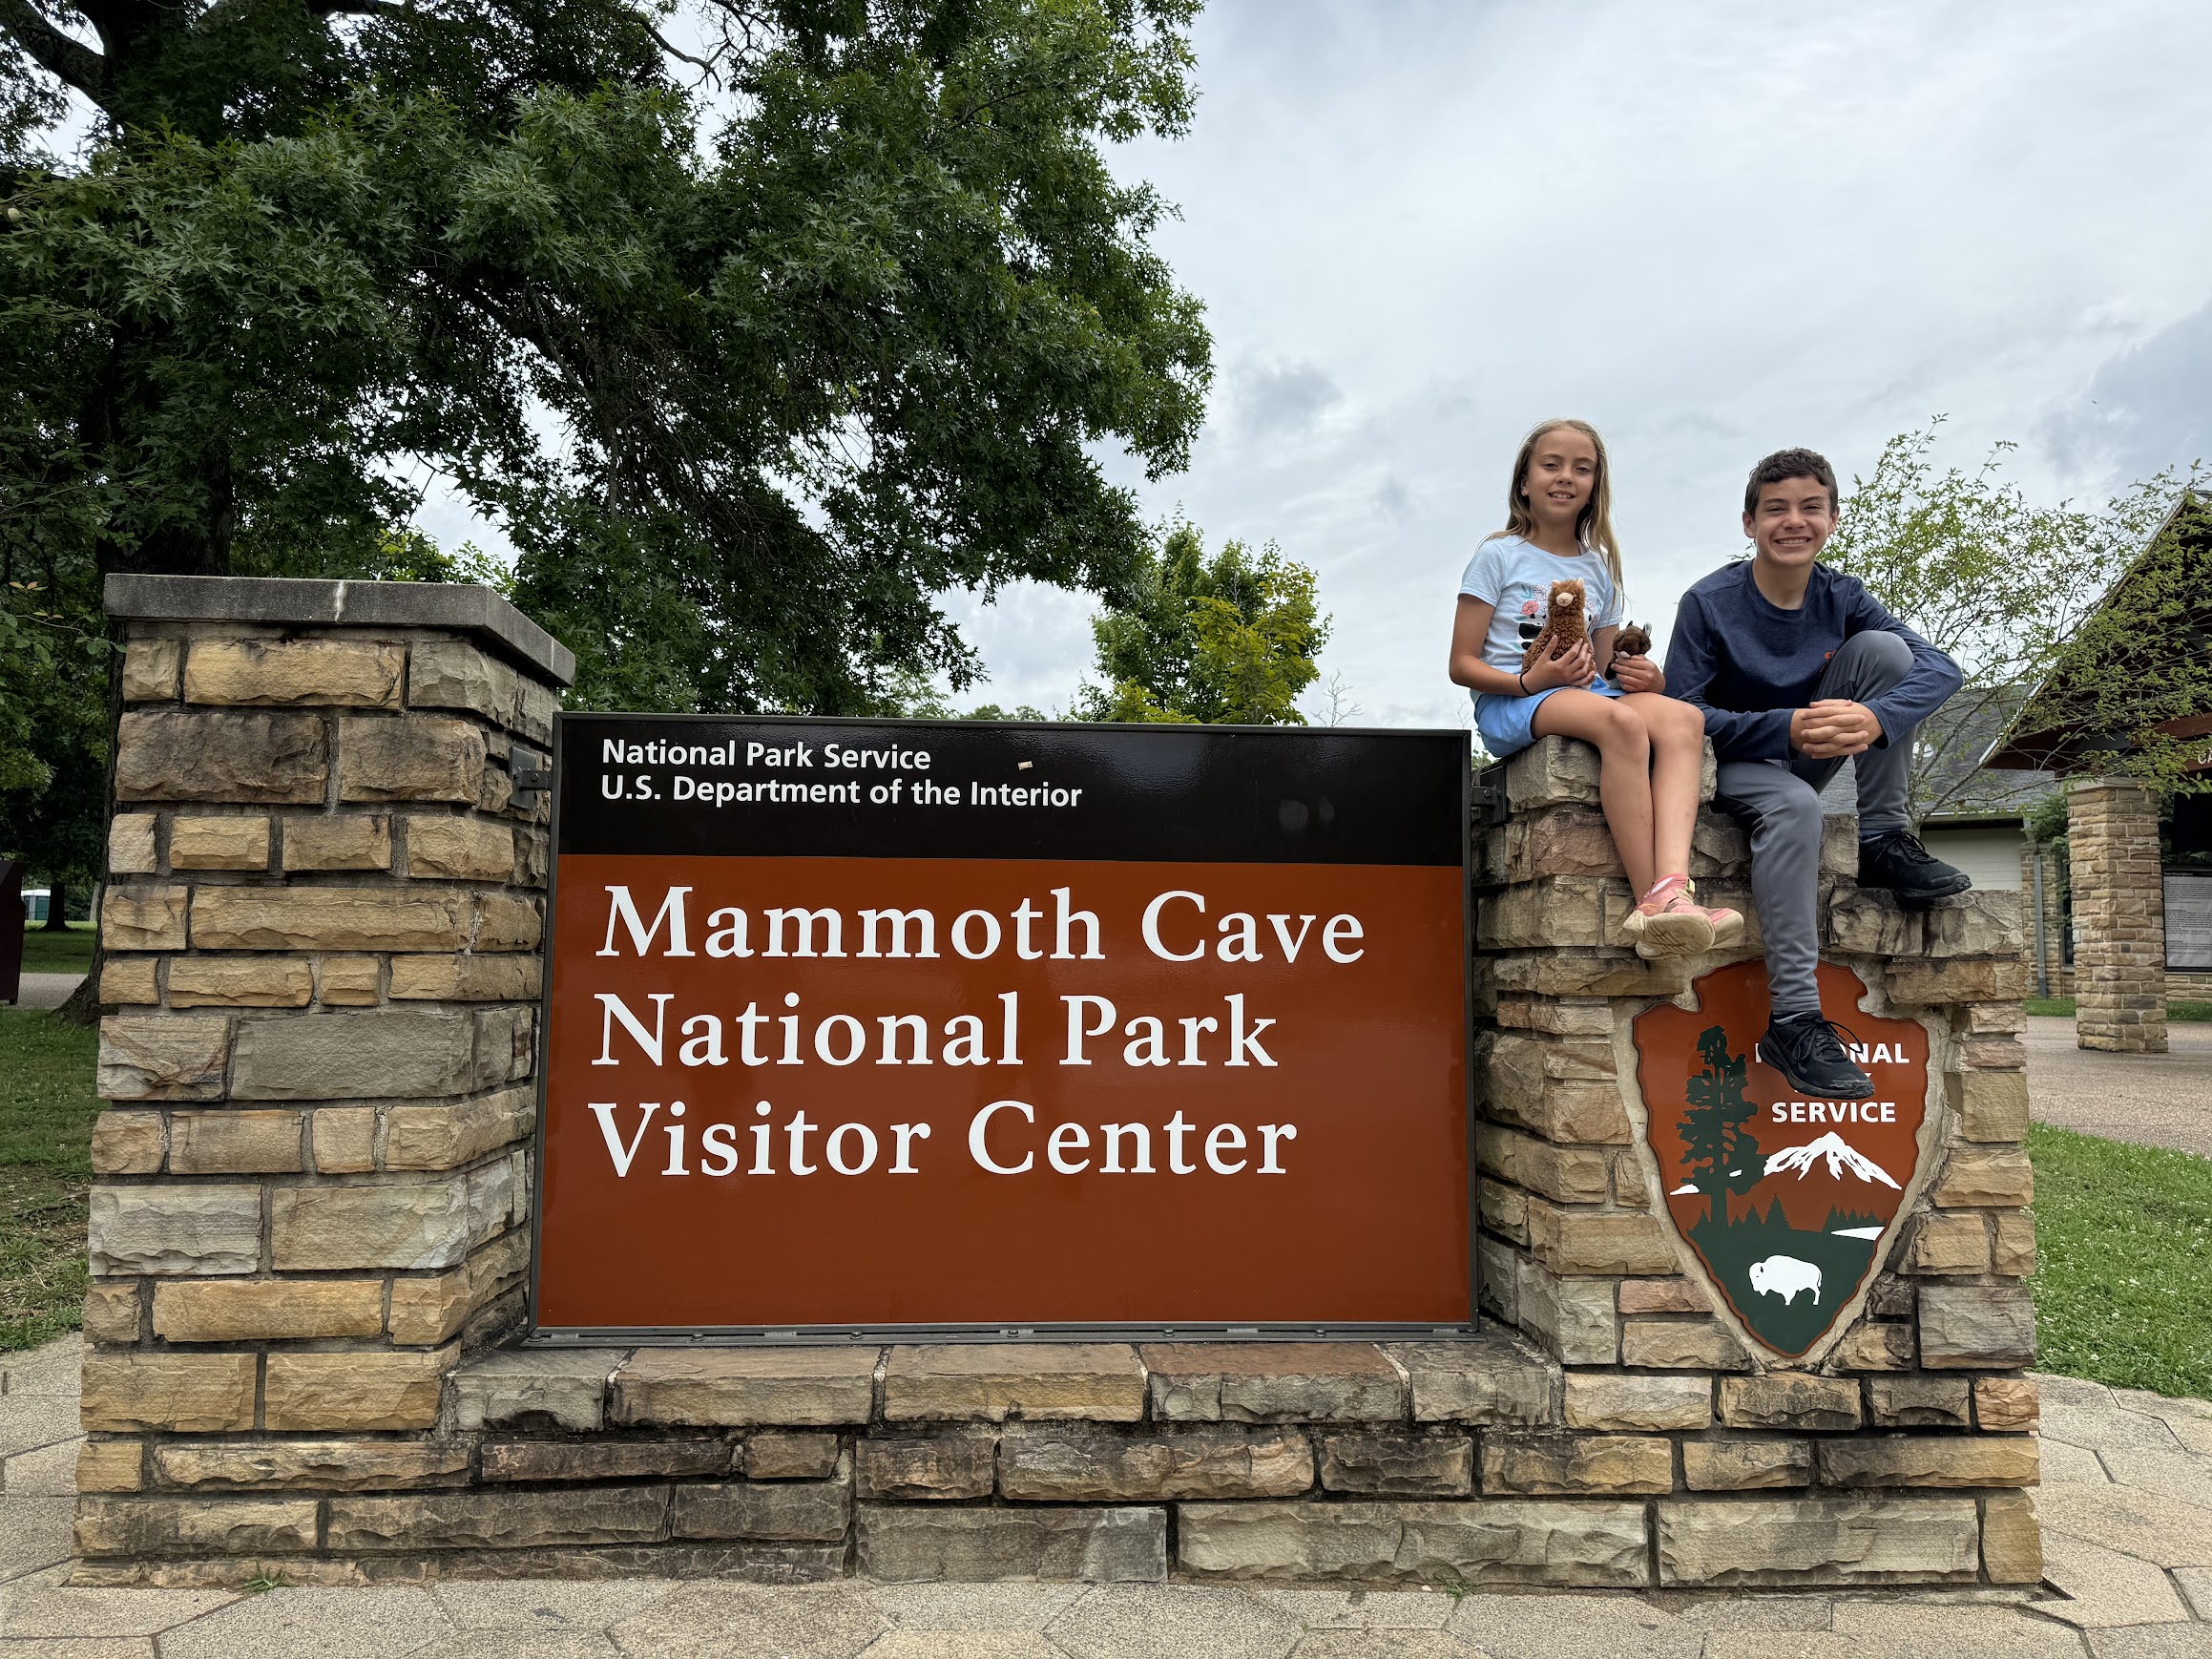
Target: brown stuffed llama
x: 1565, y: 627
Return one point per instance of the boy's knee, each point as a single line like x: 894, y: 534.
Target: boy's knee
x: 1876, y: 659
x: 1791, y: 818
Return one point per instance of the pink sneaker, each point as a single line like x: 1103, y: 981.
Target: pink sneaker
x: 1667, y: 922
x: 1727, y: 925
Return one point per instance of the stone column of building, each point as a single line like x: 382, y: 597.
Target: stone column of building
x: 1781, y: 1471
x: 322, y: 927
x: 2120, y: 916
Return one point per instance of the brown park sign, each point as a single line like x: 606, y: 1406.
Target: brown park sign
x: 1787, y: 1203
x: 855, y: 1026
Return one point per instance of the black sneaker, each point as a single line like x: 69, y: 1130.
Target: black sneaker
x: 1897, y: 861
x: 1808, y: 1052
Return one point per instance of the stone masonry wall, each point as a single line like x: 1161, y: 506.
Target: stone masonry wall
x: 321, y: 924
x: 309, y: 1230
x: 2182, y: 984
x: 2120, y: 916
x: 1899, y: 1452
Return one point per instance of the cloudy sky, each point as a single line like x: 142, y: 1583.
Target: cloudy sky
x: 1714, y: 229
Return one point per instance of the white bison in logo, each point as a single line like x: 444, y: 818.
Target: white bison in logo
x: 1785, y: 1276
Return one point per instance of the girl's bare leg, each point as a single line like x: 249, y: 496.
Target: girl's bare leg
x: 1624, y: 784
x: 1678, y: 748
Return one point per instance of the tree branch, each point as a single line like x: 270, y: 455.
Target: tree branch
x: 59, y: 54
x: 704, y: 64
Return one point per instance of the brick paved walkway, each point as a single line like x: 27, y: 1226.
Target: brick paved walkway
x: 2127, y: 1510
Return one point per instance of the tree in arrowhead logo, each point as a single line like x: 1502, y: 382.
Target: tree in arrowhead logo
x: 1787, y: 1202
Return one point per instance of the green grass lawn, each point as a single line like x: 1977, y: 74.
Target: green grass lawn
x: 2062, y: 1007
x: 2124, y: 1293
x: 46, y: 1108
x: 67, y: 952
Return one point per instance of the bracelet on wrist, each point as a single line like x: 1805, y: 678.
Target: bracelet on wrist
x: 1523, y: 678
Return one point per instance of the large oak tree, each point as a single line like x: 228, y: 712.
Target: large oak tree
x: 756, y: 327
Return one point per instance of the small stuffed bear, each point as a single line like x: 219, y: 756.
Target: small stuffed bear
x: 1564, y: 626
x: 1633, y: 641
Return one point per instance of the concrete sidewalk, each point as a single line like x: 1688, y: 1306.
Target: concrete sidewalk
x: 2155, y: 1100
x: 2127, y: 1529
x: 47, y: 990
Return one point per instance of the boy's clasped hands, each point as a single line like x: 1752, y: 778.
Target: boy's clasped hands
x: 1833, y: 727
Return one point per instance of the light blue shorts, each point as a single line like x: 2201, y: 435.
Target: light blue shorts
x: 1506, y: 723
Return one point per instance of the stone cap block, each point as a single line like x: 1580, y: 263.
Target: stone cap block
x: 459, y: 607
x: 563, y: 1388
x: 1558, y: 771
x: 993, y: 1381
x: 1274, y: 1382
x: 733, y: 1387
x: 1978, y: 923
x: 1489, y: 1377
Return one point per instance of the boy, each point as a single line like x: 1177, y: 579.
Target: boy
x: 1797, y: 668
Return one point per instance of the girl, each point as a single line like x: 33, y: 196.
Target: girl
x: 1651, y: 747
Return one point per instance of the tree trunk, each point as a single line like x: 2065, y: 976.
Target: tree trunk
x: 56, y: 906
x: 82, y: 1006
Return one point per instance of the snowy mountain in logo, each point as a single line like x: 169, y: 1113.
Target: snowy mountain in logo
x: 1840, y: 1154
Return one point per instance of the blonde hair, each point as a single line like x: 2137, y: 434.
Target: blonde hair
x: 1593, y: 528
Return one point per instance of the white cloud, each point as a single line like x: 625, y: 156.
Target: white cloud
x: 1714, y: 230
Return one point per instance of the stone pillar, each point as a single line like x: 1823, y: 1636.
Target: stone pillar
x: 1783, y: 1471
x: 323, y: 924
x: 2120, y: 913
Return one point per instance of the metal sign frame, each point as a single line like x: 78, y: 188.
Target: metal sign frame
x: 843, y: 1333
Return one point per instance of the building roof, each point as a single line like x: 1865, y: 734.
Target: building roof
x: 2094, y: 699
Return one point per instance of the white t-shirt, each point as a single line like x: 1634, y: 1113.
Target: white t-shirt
x: 1516, y: 577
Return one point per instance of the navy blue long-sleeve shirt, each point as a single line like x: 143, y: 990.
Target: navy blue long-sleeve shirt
x: 1749, y: 663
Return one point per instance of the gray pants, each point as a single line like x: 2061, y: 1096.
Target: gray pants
x: 1778, y: 802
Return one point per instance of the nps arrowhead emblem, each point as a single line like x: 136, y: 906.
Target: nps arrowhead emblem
x: 1787, y: 1204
